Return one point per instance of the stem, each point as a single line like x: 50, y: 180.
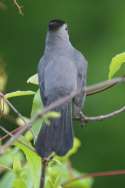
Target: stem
x: 104, y: 85
x: 89, y: 91
x: 44, y: 163
x: 95, y: 174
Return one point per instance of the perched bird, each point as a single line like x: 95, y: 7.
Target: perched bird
x: 61, y: 70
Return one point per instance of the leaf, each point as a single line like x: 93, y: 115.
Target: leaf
x: 36, y: 106
x: 33, y: 79
x: 82, y: 183
x: 16, y: 165
x: 23, y: 177
x: 19, y: 183
x: 3, y: 75
x: 116, y: 63
x: 52, y: 115
x: 7, y: 179
x: 4, y: 108
x: 33, y: 162
x: 72, y: 151
x: 18, y: 94
x: 7, y: 158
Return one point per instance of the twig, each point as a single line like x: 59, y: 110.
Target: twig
x: 15, y: 110
x: 102, y: 86
x: 51, y: 107
x: 91, y: 89
x: 95, y: 174
x: 86, y: 119
x: 38, y: 116
x: 19, y: 7
x: 43, y: 172
x: 11, y: 135
x: 11, y: 132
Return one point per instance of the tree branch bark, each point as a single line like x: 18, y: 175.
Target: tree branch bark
x: 95, y: 174
x: 90, y: 90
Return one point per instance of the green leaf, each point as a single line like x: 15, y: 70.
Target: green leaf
x: 72, y: 151
x: 36, y: 106
x: 82, y: 183
x: 19, y: 183
x: 18, y: 94
x: 52, y: 115
x: 33, y: 79
x: 6, y: 181
x: 17, y: 165
x: 33, y: 162
x: 7, y: 158
x: 116, y: 63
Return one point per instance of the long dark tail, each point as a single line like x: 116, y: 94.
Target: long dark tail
x: 58, y: 136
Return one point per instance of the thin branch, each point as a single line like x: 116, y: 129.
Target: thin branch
x: 11, y: 135
x: 85, y: 119
x: 91, y: 89
x: 95, y: 174
x: 44, y: 164
x: 43, y: 172
x: 11, y: 132
x: 15, y: 110
x: 19, y: 7
x: 36, y: 117
x: 102, y: 86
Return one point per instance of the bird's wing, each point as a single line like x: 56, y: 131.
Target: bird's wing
x: 81, y: 65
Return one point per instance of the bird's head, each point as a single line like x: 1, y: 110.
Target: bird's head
x: 58, y: 28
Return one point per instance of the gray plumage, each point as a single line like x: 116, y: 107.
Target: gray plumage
x: 61, y: 70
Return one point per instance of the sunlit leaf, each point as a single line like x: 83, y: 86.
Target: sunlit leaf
x: 116, y: 63
x: 7, y: 179
x: 21, y: 122
x: 36, y: 106
x: 17, y: 165
x: 81, y: 183
x: 4, y: 108
x: 18, y: 94
x: 33, y: 79
x: 3, y: 75
x: 34, y: 163
x: 72, y: 151
x: 19, y: 183
x: 52, y: 115
x: 7, y: 158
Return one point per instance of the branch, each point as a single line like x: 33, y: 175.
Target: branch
x: 36, y: 117
x: 19, y: 141
x: 85, y: 119
x: 43, y: 172
x: 19, y: 7
x: 11, y: 132
x: 95, y: 174
x: 90, y: 90
x: 102, y: 86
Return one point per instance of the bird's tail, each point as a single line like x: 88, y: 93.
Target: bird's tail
x: 58, y: 136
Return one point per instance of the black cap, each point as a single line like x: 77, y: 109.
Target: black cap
x: 55, y: 24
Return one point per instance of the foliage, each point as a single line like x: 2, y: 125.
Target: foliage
x: 21, y: 166
x: 116, y: 64
x: 33, y: 79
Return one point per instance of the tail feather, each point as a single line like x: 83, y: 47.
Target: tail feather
x: 58, y: 136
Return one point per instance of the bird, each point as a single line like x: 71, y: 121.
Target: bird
x: 61, y: 70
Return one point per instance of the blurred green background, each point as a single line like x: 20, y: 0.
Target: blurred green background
x: 97, y: 28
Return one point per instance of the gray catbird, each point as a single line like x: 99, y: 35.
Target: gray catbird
x: 61, y: 70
